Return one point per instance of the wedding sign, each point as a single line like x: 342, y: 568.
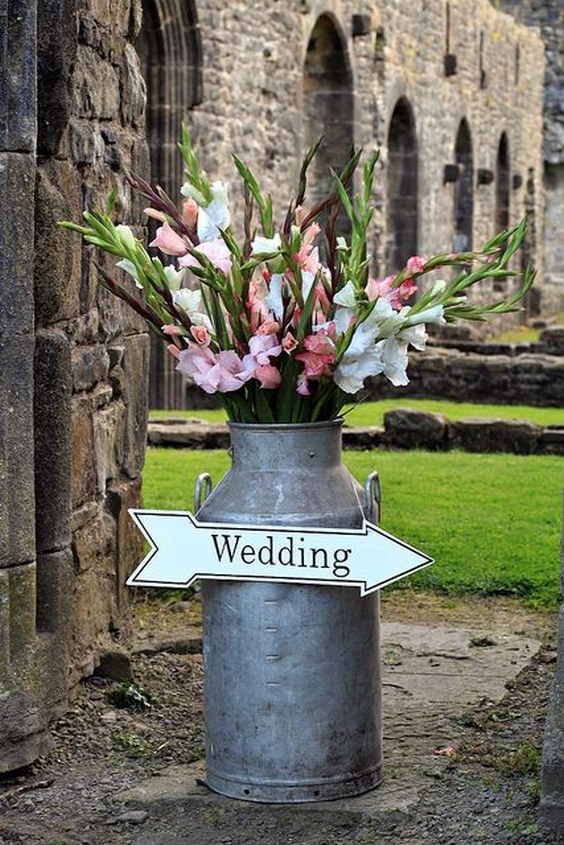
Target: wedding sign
x: 183, y: 550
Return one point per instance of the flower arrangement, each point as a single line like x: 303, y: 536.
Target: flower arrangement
x: 280, y: 333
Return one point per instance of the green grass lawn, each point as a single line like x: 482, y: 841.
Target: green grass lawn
x: 492, y: 522
x: 372, y: 413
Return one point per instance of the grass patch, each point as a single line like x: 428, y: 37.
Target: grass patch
x: 372, y: 413
x: 492, y: 522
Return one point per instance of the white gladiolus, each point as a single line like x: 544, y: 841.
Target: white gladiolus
x: 125, y: 235
x: 274, y: 299
x: 192, y: 304
x: 129, y: 267
x: 174, y: 277
x: 266, y: 246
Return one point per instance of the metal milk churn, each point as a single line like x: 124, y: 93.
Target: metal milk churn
x: 291, y: 671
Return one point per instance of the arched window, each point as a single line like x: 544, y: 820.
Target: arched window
x: 328, y: 107
x: 502, y: 196
x: 463, y: 190
x: 401, y: 185
x: 171, y: 57
x: 502, y: 185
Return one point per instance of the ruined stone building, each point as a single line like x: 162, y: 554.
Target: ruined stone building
x: 451, y: 90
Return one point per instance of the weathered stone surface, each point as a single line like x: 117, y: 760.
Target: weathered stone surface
x: 552, y: 340
x: 17, y: 175
x: 90, y: 365
x: 83, y: 471
x: 115, y: 664
x: 52, y: 413
x: 18, y: 75
x: 135, y: 365
x: 408, y: 429
x: 55, y: 574
x: 480, y: 435
x: 96, y: 86
x: 129, y: 541
x: 17, y: 529
x: 58, y: 262
x: 57, y: 42
x: 552, y: 773
x: 17, y: 619
x: 439, y: 373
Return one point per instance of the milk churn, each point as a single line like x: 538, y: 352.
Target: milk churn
x: 291, y: 672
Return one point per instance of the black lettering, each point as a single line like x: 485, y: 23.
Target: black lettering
x: 226, y: 548
x: 248, y: 554
x: 268, y: 550
x: 289, y: 549
x: 339, y: 558
x: 314, y: 553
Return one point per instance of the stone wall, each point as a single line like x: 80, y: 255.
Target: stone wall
x: 548, y: 18
x: 450, y: 91
x: 72, y: 365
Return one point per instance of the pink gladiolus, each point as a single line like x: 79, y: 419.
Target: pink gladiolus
x: 255, y: 304
x: 201, y: 335
x: 268, y: 327
x: 216, y: 251
x: 168, y: 241
x: 415, y: 264
x: 190, y: 213
x: 262, y: 347
x: 319, y: 354
x: 289, y: 342
x: 172, y: 330
x: 223, y: 372
x: 269, y: 376
x: 384, y: 288
x: 173, y: 350
x: 308, y: 255
x: 156, y: 215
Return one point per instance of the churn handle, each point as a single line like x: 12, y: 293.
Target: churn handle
x: 373, y: 493
x: 203, y: 478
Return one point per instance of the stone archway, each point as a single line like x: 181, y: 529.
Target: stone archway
x: 401, y: 188
x: 464, y: 189
x: 328, y: 107
x: 171, y: 57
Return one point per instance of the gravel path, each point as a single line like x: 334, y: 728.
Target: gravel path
x: 486, y: 792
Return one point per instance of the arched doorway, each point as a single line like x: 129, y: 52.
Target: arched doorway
x: 463, y: 190
x: 171, y: 57
x: 328, y: 107
x: 401, y: 188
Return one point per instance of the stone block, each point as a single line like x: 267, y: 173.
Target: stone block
x: 96, y: 86
x: 134, y: 93
x: 17, y: 619
x: 94, y: 540
x: 59, y: 252
x: 17, y: 76
x: 109, y: 425
x: 90, y: 365
x: 83, y: 472
x: 17, y: 530
x: 52, y: 413
x: 135, y: 365
x: 405, y: 428
x: 129, y: 541
x: 55, y: 573
x: 17, y: 185
x: 56, y: 49
x: 489, y: 435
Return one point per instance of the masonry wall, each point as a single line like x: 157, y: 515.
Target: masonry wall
x: 547, y: 18
x: 73, y: 366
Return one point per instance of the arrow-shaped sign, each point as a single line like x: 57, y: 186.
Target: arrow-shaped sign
x: 184, y: 550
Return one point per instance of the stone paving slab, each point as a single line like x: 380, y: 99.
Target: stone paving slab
x: 431, y: 676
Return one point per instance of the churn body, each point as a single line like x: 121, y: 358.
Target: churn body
x: 291, y: 672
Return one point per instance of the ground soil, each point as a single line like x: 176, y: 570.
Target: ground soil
x: 487, y: 793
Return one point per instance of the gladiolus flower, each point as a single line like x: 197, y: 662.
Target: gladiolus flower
x: 190, y: 213
x: 201, y: 335
x: 415, y: 264
x: 174, y: 351
x: 223, y: 372
x: 269, y: 327
x: 169, y: 241
x: 269, y: 376
x: 156, y: 215
x: 289, y: 343
x: 266, y: 246
x: 216, y: 251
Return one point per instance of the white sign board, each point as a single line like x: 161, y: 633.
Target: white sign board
x: 184, y: 550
